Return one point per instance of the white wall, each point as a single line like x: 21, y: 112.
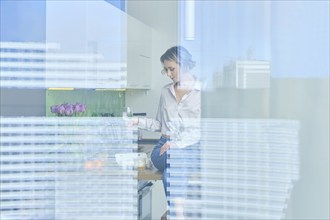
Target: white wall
x: 147, y: 100
x: 161, y: 16
x: 22, y: 102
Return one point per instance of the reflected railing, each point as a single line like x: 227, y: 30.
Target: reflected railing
x: 240, y: 169
x: 43, y: 65
x: 65, y: 168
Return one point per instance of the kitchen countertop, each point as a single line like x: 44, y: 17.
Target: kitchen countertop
x: 146, y: 146
x: 150, y: 174
x: 152, y: 142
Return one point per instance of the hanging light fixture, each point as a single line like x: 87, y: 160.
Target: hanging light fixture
x: 189, y: 13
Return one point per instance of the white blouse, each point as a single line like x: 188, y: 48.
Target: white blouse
x: 179, y: 120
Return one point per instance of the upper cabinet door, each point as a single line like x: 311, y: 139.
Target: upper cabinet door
x: 88, y: 45
x: 138, y: 54
x: 92, y: 46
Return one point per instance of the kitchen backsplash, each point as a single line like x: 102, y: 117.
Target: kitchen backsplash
x: 105, y: 103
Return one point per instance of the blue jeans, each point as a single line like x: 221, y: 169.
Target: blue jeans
x: 187, y: 165
x: 160, y: 161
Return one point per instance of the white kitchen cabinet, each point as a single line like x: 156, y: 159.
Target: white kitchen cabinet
x: 90, y: 47
x: 118, y: 47
x: 138, y: 54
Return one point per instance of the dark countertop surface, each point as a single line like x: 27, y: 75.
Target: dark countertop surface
x: 147, y: 142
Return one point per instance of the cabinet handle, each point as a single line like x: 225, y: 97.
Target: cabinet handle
x: 141, y: 55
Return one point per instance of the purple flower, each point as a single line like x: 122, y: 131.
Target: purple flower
x: 54, y: 108
x: 68, y: 106
x: 61, y: 109
x: 67, y: 109
x: 83, y: 108
x: 79, y: 107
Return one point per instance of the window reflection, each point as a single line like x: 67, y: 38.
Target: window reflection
x: 65, y: 168
x: 242, y: 169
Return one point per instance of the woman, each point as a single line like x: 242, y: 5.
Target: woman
x: 178, y: 112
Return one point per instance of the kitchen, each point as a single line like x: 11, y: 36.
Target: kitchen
x: 102, y: 97
x: 131, y: 53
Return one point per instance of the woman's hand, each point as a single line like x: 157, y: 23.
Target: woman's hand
x: 164, y: 148
x: 133, y: 121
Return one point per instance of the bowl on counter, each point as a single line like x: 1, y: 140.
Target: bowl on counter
x: 132, y: 160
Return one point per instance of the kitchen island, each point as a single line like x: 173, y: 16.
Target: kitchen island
x: 147, y: 185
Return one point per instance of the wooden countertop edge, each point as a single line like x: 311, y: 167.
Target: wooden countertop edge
x: 150, y: 175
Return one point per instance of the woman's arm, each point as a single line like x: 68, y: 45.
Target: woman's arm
x: 151, y: 124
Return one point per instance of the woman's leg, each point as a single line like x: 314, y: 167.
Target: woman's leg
x: 165, y: 183
x: 185, y: 164
x: 160, y: 161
